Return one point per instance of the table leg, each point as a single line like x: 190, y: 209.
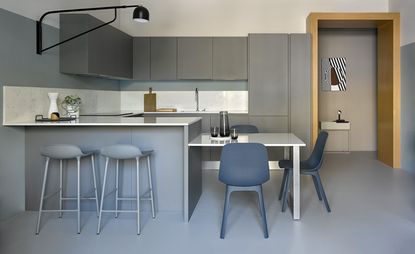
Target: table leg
x: 296, y: 183
x: 286, y: 152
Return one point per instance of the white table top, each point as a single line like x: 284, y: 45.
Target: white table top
x: 113, y: 121
x: 268, y: 139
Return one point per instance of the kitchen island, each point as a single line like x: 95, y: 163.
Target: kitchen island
x: 177, y: 184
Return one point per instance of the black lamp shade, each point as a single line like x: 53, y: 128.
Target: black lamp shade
x: 141, y: 14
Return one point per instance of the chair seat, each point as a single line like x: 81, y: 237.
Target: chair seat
x: 62, y: 152
x: 288, y: 164
x: 123, y: 152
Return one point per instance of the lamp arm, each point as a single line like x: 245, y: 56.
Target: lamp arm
x: 39, y: 40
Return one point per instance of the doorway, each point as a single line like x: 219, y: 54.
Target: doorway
x: 387, y: 26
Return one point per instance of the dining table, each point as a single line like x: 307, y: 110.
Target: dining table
x: 289, y: 141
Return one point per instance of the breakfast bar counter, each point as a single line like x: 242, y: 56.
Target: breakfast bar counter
x: 168, y: 137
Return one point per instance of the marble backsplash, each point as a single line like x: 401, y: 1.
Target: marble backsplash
x: 23, y: 103
x: 185, y: 100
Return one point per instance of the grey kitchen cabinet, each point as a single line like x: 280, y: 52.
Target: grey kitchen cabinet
x: 194, y: 58
x: 105, y: 52
x: 163, y: 58
x: 230, y: 58
x: 141, y: 58
x: 268, y: 74
x: 270, y: 123
x: 300, y: 89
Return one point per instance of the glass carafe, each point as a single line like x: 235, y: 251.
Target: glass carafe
x: 224, y: 124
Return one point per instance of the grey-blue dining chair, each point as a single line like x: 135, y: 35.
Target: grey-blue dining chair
x: 245, y: 128
x: 311, y: 167
x: 244, y: 167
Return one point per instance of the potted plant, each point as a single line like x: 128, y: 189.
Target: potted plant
x: 71, y: 105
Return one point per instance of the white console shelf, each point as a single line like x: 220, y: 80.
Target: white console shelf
x: 339, y: 136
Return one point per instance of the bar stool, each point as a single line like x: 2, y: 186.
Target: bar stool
x: 126, y: 152
x: 65, y: 152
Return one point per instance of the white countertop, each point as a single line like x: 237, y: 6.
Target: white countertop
x: 114, y: 121
x: 198, y: 112
x: 267, y: 139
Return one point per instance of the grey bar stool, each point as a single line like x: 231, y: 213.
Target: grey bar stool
x: 61, y: 153
x: 126, y: 152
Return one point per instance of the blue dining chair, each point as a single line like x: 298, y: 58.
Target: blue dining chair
x: 245, y: 128
x: 311, y: 167
x: 244, y: 167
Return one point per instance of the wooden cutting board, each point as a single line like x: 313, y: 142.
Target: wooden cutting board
x: 150, y: 101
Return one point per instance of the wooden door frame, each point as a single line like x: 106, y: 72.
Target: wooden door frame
x: 388, y: 79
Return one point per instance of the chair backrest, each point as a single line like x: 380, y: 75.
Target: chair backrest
x: 244, y: 164
x: 316, y: 158
x: 245, y: 128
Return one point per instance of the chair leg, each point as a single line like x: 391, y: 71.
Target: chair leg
x: 225, y: 212
x: 150, y: 182
x: 102, y: 196
x: 262, y: 209
x: 95, y: 183
x: 78, y: 196
x: 323, y: 194
x: 45, y: 176
x: 60, y: 187
x: 138, y: 195
x: 317, y: 187
x: 116, y: 187
x: 283, y: 182
x: 285, y: 194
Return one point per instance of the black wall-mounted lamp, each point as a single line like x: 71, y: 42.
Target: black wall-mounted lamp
x: 140, y: 14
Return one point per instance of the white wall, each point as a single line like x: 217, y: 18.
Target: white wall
x: 407, y: 10
x: 33, y: 9
x: 236, y: 17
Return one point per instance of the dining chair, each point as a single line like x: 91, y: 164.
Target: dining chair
x: 245, y: 128
x: 244, y: 167
x: 311, y: 167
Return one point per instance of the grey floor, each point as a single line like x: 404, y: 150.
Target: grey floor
x: 373, y: 211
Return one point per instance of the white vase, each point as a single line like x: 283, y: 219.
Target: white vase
x: 53, y: 106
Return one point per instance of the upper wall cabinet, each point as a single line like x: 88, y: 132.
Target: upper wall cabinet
x: 141, y: 58
x: 163, y: 58
x: 104, y: 52
x: 230, y: 58
x: 268, y: 74
x: 194, y: 58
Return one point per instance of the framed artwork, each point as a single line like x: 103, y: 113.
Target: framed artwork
x: 333, y: 74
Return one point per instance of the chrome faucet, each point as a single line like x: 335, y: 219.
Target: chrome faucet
x: 197, y: 98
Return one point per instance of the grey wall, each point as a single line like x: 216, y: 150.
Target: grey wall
x: 19, y: 65
x: 358, y: 103
x: 407, y: 107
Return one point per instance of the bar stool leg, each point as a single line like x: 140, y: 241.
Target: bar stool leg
x: 138, y: 195
x: 116, y: 187
x: 102, y: 196
x: 42, y: 194
x: 95, y: 183
x: 60, y: 187
x: 78, y: 196
x: 150, y: 182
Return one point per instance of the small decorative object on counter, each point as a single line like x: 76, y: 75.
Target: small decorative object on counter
x: 150, y: 102
x: 224, y: 124
x: 71, y: 105
x: 54, y: 116
x: 53, y: 106
x: 214, y: 132
x: 234, y: 134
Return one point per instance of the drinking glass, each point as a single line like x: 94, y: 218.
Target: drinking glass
x: 214, y: 132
